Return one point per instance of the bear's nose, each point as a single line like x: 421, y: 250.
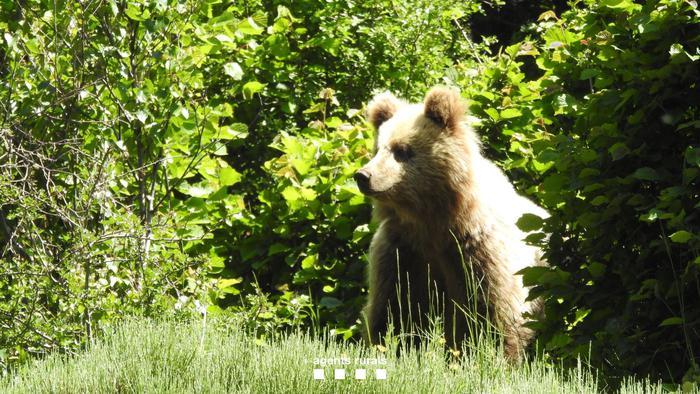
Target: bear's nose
x: 362, y: 179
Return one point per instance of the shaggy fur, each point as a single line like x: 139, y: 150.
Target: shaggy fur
x: 436, y: 199
x: 382, y: 108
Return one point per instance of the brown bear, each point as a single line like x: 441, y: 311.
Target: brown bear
x: 445, y: 213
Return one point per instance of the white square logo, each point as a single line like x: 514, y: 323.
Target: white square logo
x: 318, y: 374
x: 380, y: 374
x: 339, y: 374
x: 360, y: 374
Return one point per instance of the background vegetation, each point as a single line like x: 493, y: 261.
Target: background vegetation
x: 197, y: 156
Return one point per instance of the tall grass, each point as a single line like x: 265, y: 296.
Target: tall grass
x: 220, y: 356
x: 146, y: 356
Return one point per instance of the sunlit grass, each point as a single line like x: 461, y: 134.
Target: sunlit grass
x: 145, y: 356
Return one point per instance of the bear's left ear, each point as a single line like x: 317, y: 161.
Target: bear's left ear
x: 381, y: 108
x: 445, y: 107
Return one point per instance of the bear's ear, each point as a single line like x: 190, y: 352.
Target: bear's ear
x: 381, y: 108
x: 444, y: 106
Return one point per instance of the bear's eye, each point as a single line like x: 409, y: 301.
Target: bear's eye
x: 402, y: 152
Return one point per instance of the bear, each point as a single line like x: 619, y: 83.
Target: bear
x: 444, y: 214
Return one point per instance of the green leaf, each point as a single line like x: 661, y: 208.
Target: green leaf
x: 529, y: 222
x: 596, y: 269
x: 228, y: 176
x: 289, y: 107
x: 547, y: 15
x: 681, y: 236
x: 510, y: 113
x: 201, y: 189
x: 330, y: 45
x: 589, y: 73
x: 554, y: 182
x: 587, y: 155
x: 317, y: 107
x: 599, y: 200
x: 216, y: 261
x: 279, y: 46
x: 291, y: 194
x: 559, y: 340
x: 250, y: 88
x: 542, y: 167
x: 589, y: 172
x: 655, y: 214
x: 493, y: 113
x: 250, y: 27
x: 532, y: 275
x: 692, y: 156
x: 696, y: 261
x: 134, y: 13
x: 580, y: 316
x: 32, y: 45
x: 672, y: 321
x: 302, y: 166
x: 676, y: 49
x: 223, y: 283
x: 233, y: 131
x: 618, y: 151
x: 233, y: 70
x: 277, y: 248
x: 309, y: 261
x: 626, y: 5
x: 565, y: 103
x: 647, y: 174
x: 308, y: 194
x: 535, y: 238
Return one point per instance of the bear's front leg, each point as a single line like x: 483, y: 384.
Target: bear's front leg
x: 382, y: 275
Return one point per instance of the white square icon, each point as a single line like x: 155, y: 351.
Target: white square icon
x: 380, y: 374
x: 360, y: 374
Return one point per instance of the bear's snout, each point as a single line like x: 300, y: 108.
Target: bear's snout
x: 362, y: 178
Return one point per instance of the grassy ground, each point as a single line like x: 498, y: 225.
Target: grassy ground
x: 198, y: 357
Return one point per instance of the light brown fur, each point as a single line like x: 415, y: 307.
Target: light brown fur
x: 437, y: 198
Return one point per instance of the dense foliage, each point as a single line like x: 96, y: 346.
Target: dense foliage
x: 199, y: 155
x: 194, y: 155
x: 618, y: 109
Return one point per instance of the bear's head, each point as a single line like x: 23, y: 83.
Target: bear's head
x: 421, y: 152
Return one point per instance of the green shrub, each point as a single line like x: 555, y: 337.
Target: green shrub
x: 600, y: 104
x: 185, y: 154
x: 304, y: 229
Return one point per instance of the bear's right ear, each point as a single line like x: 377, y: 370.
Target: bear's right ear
x: 444, y: 106
x: 381, y: 108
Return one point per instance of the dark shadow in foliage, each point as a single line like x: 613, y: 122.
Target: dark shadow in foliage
x: 506, y: 21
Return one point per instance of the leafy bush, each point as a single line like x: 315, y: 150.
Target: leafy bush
x: 181, y: 154
x: 304, y: 227
x: 601, y: 105
x: 89, y: 112
x: 627, y: 181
